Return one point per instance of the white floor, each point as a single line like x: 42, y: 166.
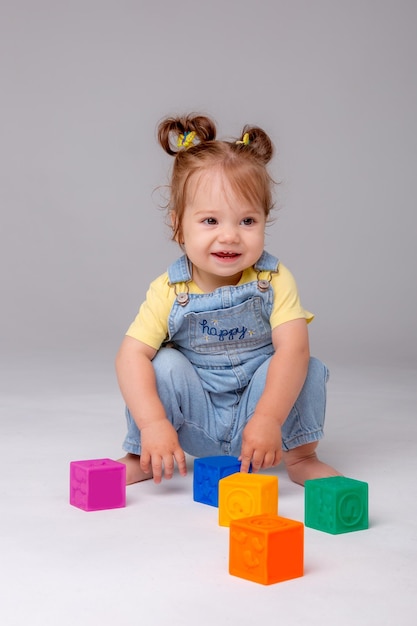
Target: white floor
x: 164, y: 559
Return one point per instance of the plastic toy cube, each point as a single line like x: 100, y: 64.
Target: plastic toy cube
x: 336, y: 505
x: 97, y: 484
x: 266, y: 549
x: 207, y: 473
x: 245, y: 495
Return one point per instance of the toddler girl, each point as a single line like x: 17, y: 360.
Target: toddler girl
x: 217, y: 360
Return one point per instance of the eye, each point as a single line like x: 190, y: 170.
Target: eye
x: 248, y: 221
x: 211, y: 221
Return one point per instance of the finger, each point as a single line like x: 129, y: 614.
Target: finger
x: 269, y: 460
x: 245, y: 461
x: 168, y: 466
x: 157, y: 470
x: 181, y: 461
x: 257, y: 461
x: 145, y: 461
x: 278, y: 458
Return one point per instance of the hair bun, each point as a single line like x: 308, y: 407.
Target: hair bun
x: 258, y: 142
x: 171, y: 128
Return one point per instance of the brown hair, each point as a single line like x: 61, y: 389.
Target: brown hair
x: 243, y: 162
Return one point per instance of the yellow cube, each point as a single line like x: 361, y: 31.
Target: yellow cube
x: 244, y: 495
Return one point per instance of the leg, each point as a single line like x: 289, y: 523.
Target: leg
x: 187, y: 407
x: 304, y: 427
x: 303, y: 464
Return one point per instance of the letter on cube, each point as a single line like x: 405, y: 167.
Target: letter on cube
x: 245, y: 495
x: 336, y: 505
x: 97, y: 484
x: 207, y: 473
x: 266, y: 549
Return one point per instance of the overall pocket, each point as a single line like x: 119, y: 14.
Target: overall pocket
x: 240, y: 327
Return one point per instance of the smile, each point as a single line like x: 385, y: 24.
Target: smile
x: 226, y: 256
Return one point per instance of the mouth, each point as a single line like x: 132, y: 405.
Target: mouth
x: 224, y: 255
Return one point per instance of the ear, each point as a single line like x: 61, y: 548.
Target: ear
x: 176, y: 228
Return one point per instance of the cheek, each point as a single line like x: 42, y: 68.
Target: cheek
x: 258, y: 238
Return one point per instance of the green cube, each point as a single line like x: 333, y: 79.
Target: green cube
x: 336, y: 505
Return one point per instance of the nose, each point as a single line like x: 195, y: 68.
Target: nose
x: 228, y: 234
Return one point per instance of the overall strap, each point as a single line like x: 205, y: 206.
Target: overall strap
x: 179, y: 271
x: 267, y: 263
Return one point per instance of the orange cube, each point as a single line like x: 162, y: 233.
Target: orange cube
x: 244, y: 495
x: 266, y: 549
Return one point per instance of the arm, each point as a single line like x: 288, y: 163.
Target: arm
x: 261, y: 440
x: 160, y: 445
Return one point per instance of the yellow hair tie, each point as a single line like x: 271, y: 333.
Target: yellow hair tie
x: 245, y: 139
x: 185, y: 140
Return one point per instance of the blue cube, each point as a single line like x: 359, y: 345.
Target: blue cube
x: 207, y: 473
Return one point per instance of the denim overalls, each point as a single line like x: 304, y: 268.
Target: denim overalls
x: 213, y: 374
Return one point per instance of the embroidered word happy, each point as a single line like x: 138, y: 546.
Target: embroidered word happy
x: 222, y: 333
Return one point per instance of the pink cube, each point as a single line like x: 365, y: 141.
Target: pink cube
x: 97, y: 484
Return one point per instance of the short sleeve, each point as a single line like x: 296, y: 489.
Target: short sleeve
x: 151, y: 323
x: 287, y: 305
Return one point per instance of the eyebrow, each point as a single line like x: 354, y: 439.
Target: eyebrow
x: 217, y: 211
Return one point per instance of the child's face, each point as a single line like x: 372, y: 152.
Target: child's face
x: 221, y: 234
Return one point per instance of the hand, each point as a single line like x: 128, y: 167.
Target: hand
x: 261, y: 443
x: 160, y: 447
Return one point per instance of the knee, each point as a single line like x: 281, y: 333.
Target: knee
x: 317, y: 371
x: 316, y: 379
x: 169, y: 362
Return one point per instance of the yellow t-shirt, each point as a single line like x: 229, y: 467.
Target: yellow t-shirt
x: 151, y: 323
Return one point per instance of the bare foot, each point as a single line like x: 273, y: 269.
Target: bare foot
x: 134, y: 472
x: 302, y: 464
